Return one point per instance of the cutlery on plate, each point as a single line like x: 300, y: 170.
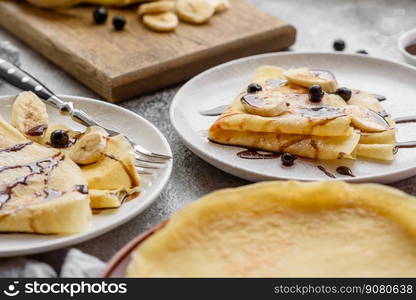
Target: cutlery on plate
x: 145, y: 159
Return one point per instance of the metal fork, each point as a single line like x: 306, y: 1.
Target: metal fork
x: 19, y: 78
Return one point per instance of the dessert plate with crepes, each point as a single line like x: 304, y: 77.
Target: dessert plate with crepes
x: 62, y: 183
x: 302, y: 116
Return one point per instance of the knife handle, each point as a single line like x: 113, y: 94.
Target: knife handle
x: 23, y: 80
x: 26, y: 82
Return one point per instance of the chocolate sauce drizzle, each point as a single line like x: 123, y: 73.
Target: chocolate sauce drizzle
x: 37, y: 130
x: 44, y: 167
x: 411, y: 49
x: 326, y: 172
x: 343, y: 170
x: 16, y: 148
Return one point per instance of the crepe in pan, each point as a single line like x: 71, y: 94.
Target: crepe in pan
x: 286, y: 229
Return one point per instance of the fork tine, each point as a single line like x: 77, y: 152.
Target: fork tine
x: 140, y: 150
x: 143, y: 151
x: 144, y: 172
x: 141, y: 159
x: 138, y: 165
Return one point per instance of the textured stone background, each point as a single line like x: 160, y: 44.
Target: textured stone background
x: 373, y: 25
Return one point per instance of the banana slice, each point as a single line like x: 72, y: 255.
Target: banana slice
x: 266, y: 73
x: 163, y: 22
x: 264, y: 106
x: 54, y: 3
x: 157, y: 7
x: 29, y: 114
x: 220, y: 5
x: 306, y: 77
x: 366, y: 100
x: 195, y: 11
x: 366, y: 119
x: 90, y: 147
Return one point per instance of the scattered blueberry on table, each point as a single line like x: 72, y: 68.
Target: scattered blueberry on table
x: 119, y: 22
x: 339, y: 45
x: 100, y: 15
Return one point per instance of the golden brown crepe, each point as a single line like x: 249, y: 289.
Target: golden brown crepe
x: 333, y: 123
x: 286, y: 229
x: 41, y: 189
x: 113, y: 178
x: 108, y: 163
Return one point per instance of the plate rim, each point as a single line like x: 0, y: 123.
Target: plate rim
x: 88, y: 235
x: 236, y: 170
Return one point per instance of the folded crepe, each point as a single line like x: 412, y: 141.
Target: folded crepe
x: 41, y: 189
x: 330, y: 129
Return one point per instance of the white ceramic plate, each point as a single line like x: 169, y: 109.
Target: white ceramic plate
x: 114, y: 117
x: 221, y: 84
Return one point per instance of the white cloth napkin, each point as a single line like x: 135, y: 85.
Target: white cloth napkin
x: 76, y: 264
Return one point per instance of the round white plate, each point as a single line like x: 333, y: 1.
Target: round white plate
x: 221, y: 84
x: 114, y: 117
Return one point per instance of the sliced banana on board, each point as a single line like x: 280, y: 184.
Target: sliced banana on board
x: 90, y: 147
x: 156, y: 7
x: 29, y: 114
x: 164, y: 22
x: 264, y: 106
x: 195, y: 11
x: 307, y: 77
x: 220, y: 5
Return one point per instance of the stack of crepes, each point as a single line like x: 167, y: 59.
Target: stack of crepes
x: 332, y: 128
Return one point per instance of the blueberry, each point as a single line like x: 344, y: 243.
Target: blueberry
x: 288, y: 159
x: 100, y: 15
x: 254, y: 88
x: 362, y: 51
x: 316, y: 93
x: 344, y: 93
x: 119, y: 22
x: 59, y: 138
x: 339, y: 45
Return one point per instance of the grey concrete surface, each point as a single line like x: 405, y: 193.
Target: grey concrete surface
x: 373, y: 25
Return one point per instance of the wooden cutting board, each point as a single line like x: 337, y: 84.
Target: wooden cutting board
x: 120, y: 65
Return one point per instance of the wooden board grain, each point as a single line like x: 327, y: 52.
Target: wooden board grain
x: 120, y: 65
